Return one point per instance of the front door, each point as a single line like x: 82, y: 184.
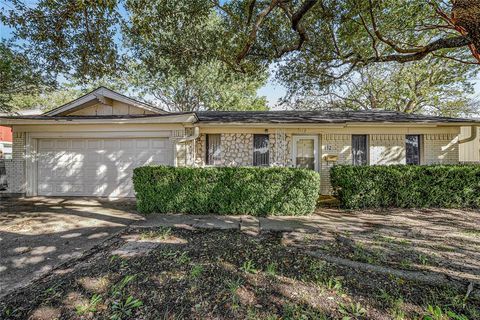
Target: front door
x: 305, y: 150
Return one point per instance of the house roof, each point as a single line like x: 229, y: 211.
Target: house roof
x: 252, y: 117
x: 321, y: 117
x: 99, y: 95
x: 181, y: 117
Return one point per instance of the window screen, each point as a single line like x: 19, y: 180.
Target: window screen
x: 412, y: 145
x: 359, y: 150
x: 260, y: 150
x: 213, y: 156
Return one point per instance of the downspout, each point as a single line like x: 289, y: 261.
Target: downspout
x: 193, y: 137
x: 473, y: 135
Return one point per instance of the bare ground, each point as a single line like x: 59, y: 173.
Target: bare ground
x: 328, y: 266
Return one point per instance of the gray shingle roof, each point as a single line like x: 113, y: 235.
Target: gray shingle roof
x: 90, y: 117
x: 320, y: 117
x: 279, y: 117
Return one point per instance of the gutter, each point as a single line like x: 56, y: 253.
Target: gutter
x: 195, y: 135
x: 473, y: 135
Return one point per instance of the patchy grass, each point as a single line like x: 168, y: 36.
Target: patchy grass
x: 158, y: 234
x: 231, y: 275
x: 471, y: 233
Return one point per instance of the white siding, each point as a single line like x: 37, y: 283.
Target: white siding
x: 470, y: 151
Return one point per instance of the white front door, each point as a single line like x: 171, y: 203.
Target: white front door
x: 96, y: 167
x: 305, y: 152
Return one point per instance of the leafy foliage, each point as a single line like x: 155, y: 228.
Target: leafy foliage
x: 434, y: 86
x: 226, y: 190
x: 446, y: 186
x: 209, y: 86
x: 74, y: 38
x: 176, y: 47
x: 321, y: 40
x: 18, y: 76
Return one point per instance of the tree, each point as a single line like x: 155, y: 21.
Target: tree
x: 325, y: 40
x: 174, y: 61
x: 434, y: 86
x: 74, y: 38
x: 338, y: 35
x: 18, y: 76
x: 206, y: 87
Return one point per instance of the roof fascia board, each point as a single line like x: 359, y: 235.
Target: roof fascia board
x: 187, y: 119
x: 71, y: 105
x: 78, y: 103
x: 336, y: 124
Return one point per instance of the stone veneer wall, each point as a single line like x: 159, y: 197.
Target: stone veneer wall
x: 280, y: 149
x: 15, y: 167
x: 237, y: 149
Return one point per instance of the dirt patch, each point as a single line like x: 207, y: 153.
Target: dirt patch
x: 212, y: 274
x: 37, y: 234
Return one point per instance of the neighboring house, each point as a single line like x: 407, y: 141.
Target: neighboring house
x: 90, y: 146
x: 5, y: 143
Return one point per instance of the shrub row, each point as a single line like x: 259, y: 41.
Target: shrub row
x: 226, y: 190
x: 407, y: 186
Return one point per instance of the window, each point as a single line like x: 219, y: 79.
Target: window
x: 359, y: 149
x: 260, y: 150
x: 412, y: 146
x: 213, y: 156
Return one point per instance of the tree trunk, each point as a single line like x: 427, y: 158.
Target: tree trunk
x: 466, y: 17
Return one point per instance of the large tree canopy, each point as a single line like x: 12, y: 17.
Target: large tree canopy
x: 325, y: 40
x: 432, y: 86
x: 79, y: 36
x: 19, y: 76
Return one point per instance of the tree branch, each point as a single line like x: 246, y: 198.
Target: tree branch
x: 389, y: 42
x: 295, y: 19
x: 444, y: 43
x: 253, y: 33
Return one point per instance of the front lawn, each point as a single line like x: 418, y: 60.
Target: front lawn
x: 200, y: 274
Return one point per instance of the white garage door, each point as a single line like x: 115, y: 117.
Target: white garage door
x: 96, y: 167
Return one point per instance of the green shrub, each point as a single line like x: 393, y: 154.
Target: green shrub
x: 407, y: 186
x: 226, y: 190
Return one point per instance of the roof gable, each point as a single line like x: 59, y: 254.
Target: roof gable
x: 102, y: 99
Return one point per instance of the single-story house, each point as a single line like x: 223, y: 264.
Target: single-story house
x: 90, y: 146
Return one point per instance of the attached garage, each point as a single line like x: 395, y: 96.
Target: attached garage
x: 96, y: 167
x: 91, y: 145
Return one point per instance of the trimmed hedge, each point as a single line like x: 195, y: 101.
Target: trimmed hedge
x: 226, y: 190
x: 407, y: 186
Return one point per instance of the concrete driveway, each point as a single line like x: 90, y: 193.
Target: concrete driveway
x: 36, y: 234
